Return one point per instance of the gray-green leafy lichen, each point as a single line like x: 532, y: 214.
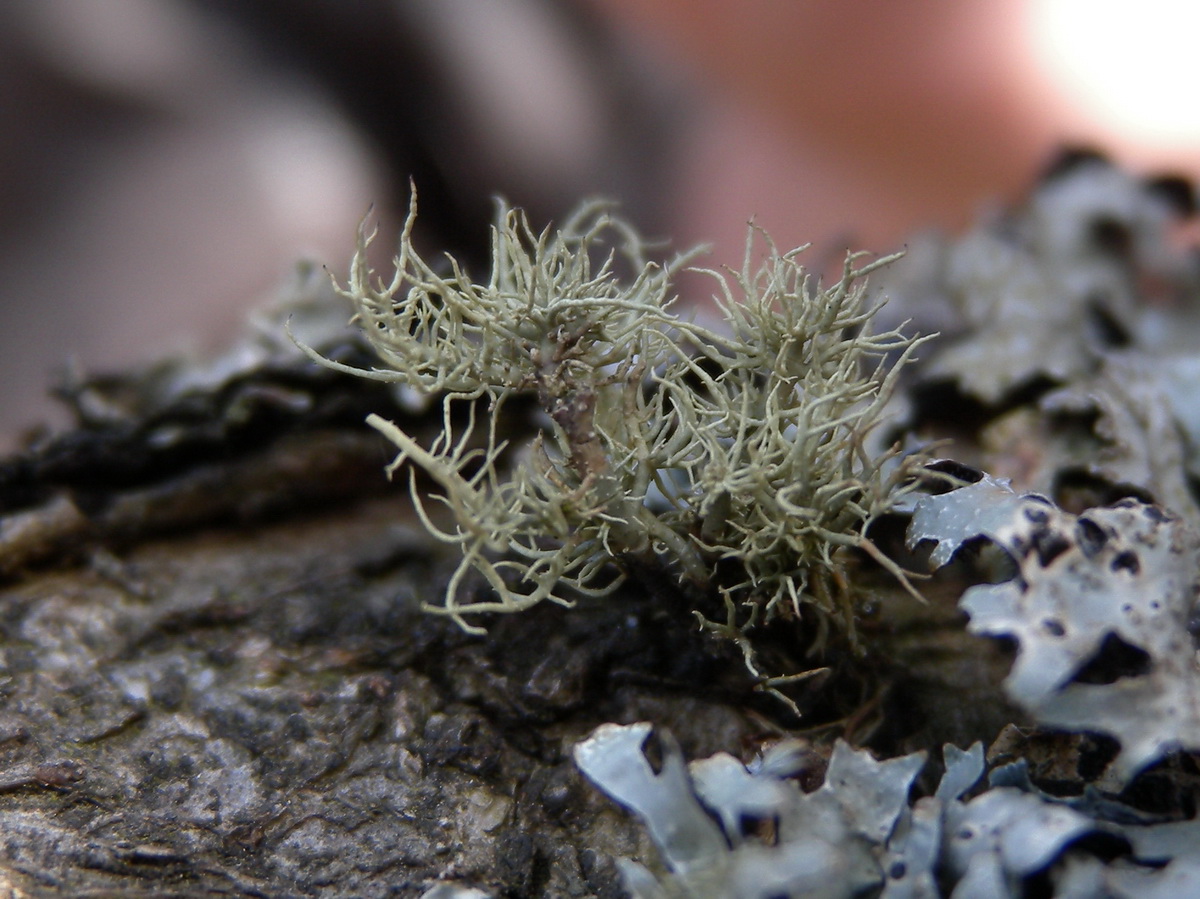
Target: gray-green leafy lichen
x: 1050, y: 289
x: 826, y: 843
x: 723, y: 829
x: 1069, y: 329
x: 1100, y: 604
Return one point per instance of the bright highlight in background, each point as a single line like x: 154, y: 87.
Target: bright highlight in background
x: 1130, y: 67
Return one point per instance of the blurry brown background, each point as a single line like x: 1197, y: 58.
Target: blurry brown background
x: 163, y: 163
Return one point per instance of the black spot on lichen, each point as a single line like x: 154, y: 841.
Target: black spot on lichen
x: 1114, y: 660
x: 1090, y: 537
x: 1049, y: 545
x: 1127, y: 561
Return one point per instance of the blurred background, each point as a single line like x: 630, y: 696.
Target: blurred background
x: 165, y: 163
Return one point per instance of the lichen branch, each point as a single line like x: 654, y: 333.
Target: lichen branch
x: 665, y: 443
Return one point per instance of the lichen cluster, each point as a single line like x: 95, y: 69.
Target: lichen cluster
x: 738, y: 458
x: 1101, y: 606
x: 724, y: 829
x: 663, y: 443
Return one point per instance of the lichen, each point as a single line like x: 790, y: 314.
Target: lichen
x: 724, y: 829
x: 664, y: 443
x: 1047, y: 291
x: 1100, y: 605
x: 825, y: 844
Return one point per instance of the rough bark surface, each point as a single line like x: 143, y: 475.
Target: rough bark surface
x: 216, y: 678
x: 264, y: 711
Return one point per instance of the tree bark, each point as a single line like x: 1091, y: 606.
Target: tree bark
x: 216, y: 677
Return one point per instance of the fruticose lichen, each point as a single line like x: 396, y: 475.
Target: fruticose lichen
x: 662, y: 443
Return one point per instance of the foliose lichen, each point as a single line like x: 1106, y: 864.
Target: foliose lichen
x: 1100, y: 605
x: 724, y: 829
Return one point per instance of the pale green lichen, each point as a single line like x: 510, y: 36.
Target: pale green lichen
x: 664, y: 442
